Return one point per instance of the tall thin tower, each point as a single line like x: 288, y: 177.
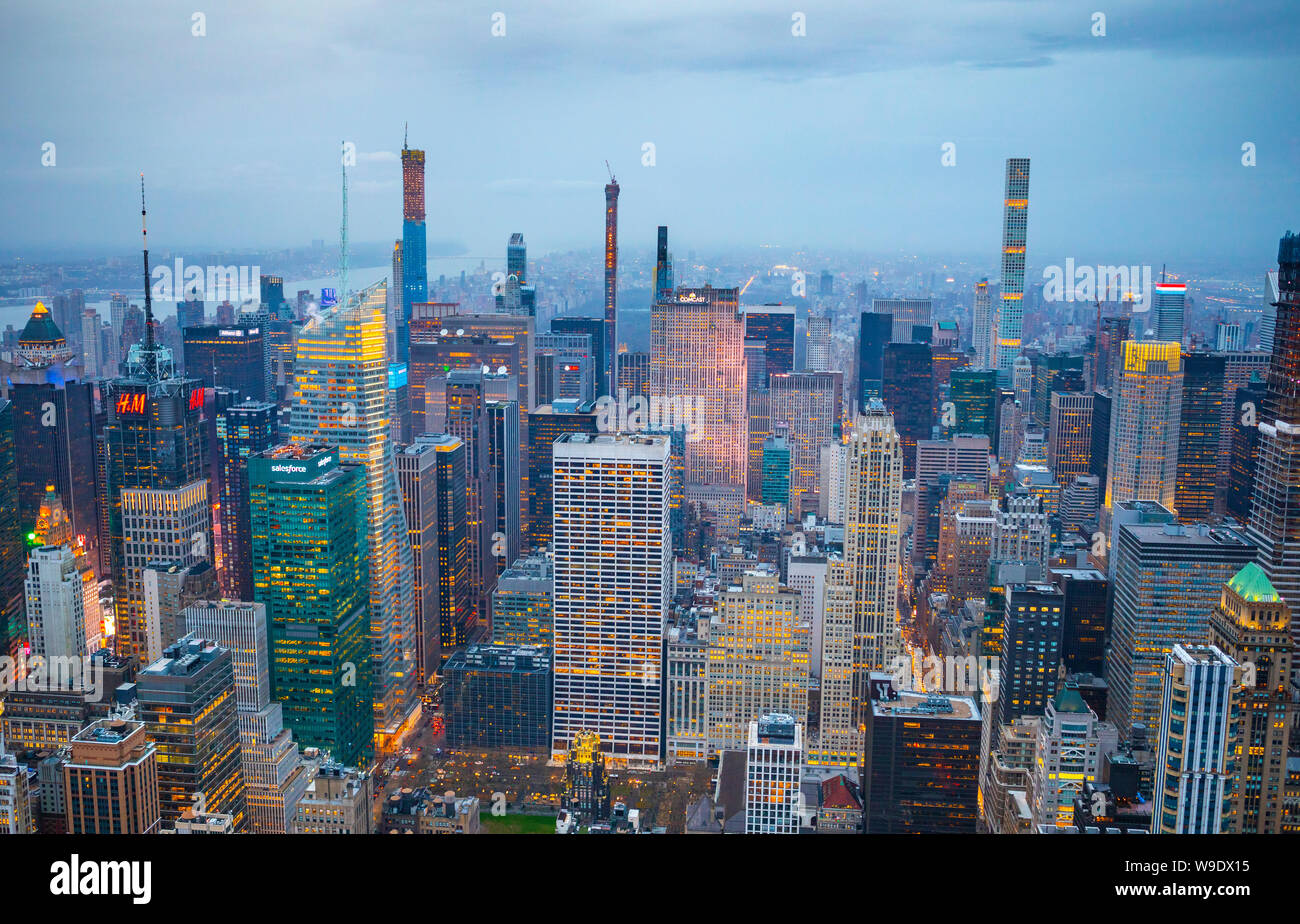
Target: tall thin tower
x: 611, y: 283
x: 415, y: 268
x: 1275, y: 511
x: 1011, y: 308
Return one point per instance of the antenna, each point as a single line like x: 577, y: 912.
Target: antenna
x: 148, y: 295
x: 405, y: 128
x: 343, y: 245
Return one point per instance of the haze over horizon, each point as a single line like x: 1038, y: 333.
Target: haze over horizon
x: 238, y: 130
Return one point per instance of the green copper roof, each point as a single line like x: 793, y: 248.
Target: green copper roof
x: 41, y: 329
x: 1253, y: 585
x: 1069, y: 700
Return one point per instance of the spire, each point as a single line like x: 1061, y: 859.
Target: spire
x: 343, y: 244
x: 405, y: 132
x: 148, y: 295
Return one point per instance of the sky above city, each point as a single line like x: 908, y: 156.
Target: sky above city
x: 830, y: 139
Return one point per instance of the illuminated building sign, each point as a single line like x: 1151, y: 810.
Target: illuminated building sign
x: 131, y: 403
x: 196, y: 399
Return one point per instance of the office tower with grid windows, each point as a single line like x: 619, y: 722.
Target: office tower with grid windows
x: 982, y: 326
x: 1069, y: 436
x: 873, y: 508
x: 274, y: 772
x: 773, y: 327
x: 1275, y: 507
x: 759, y: 651
x: 1007, y: 319
x: 905, y: 314
x: 340, y: 399
x: 613, y: 582
x: 417, y: 473
x: 309, y: 526
x: 1143, y: 445
x: 1199, y: 745
x: 1199, y: 443
x: 1168, y: 302
x: 111, y: 780
x: 1252, y: 625
x: 810, y: 405
x: 242, y: 431
x: 773, y: 774
x: 187, y: 702
x: 1168, y: 579
x: 697, y: 354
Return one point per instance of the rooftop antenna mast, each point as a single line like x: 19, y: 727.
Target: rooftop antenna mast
x: 148, y: 357
x: 343, y: 244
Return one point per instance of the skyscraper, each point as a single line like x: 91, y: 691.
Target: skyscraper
x: 242, y: 431
x: 415, y: 265
x: 1143, y: 450
x: 274, y: 774
x: 111, y: 781
x: 1167, y: 311
x: 982, y: 326
x: 611, y: 284
x: 612, y: 588
x: 773, y: 774
x: 340, y: 396
x: 1252, y: 625
x: 1032, y: 630
x: 1011, y: 310
x: 187, y: 702
x: 1069, y: 439
x: 907, y: 393
x: 874, y: 332
x: 873, y: 506
x: 1168, y: 580
x: 810, y: 405
x: 1275, y: 510
x: 417, y: 472
x: 309, y: 525
x: 1199, y: 440
x: 697, y: 355
x: 455, y: 613
x: 13, y: 621
x: 1198, y: 751
x: 906, y: 313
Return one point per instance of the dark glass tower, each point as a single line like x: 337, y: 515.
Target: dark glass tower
x: 774, y: 326
x: 311, y: 568
x: 13, y: 618
x: 1275, y: 510
x: 907, y: 391
x: 1198, y: 436
x: 243, y: 430
x: 875, y: 330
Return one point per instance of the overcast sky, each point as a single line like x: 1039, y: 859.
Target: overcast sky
x: 833, y: 138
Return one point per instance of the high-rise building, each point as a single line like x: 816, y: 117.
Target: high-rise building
x: 611, y: 533
x: 309, y: 527
x: 907, y: 393
x: 1011, y: 309
x: 663, y: 266
x: 111, y: 780
x: 776, y: 471
x: 697, y: 355
x: 1143, y: 445
x: 56, y: 606
x: 521, y: 603
x: 773, y: 774
x: 810, y: 405
x: 545, y: 425
x: 1252, y: 626
x: 594, y: 329
x: 417, y: 472
x: 54, y: 528
x: 156, y: 481
x: 873, y: 508
x: 274, y: 773
x: 1032, y: 630
x: 817, y: 356
x: 759, y: 650
x: 1167, y: 311
x: 242, y: 431
x: 982, y: 327
x: 414, y: 253
x: 1199, y: 747
x: 340, y: 396
x: 1199, y: 440
x: 338, y: 800
x: 504, y: 516
x: 187, y: 703
x: 875, y: 331
x: 610, y: 338
x: 1275, y: 510
x: 920, y: 772
x: 961, y: 455
x: 499, y: 696
x: 975, y: 398
x: 1084, y: 612
x: 773, y: 326
x: 1243, y: 451
x: 1069, y: 440
x: 905, y: 313
x: 1168, y: 579
x: 455, y: 613
x: 566, y: 368
x: 230, y: 356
